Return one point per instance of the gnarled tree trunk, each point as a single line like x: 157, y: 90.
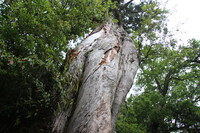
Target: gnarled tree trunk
x: 106, y: 62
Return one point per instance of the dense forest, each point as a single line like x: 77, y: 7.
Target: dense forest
x: 36, y: 57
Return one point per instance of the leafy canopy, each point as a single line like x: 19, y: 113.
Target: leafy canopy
x: 34, y: 37
x: 170, y: 102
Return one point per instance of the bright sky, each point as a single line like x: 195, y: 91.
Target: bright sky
x: 184, y: 16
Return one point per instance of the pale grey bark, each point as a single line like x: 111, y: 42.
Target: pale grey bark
x: 106, y: 62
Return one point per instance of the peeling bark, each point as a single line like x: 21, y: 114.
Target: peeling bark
x: 106, y: 63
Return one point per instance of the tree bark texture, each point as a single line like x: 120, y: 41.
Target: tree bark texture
x: 106, y: 64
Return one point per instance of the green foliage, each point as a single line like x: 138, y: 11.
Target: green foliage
x: 34, y: 37
x: 170, y: 102
x: 143, y: 17
x: 127, y: 122
x: 145, y: 21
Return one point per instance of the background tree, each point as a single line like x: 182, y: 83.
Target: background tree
x: 170, y: 79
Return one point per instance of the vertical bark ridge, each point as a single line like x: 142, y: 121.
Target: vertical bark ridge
x: 128, y: 68
x: 107, y: 61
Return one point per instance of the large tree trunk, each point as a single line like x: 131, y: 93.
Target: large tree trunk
x: 106, y: 62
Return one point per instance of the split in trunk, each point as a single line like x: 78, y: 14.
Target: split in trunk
x: 106, y: 64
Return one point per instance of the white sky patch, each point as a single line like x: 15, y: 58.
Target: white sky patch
x: 184, y: 17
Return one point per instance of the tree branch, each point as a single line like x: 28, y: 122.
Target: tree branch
x: 147, y: 55
x: 196, y: 99
x: 158, y: 84
x: 166, y: 83
x: 196, y: 60
x: 176, y: 128
x: 177, y: 78
x: 126, y: 5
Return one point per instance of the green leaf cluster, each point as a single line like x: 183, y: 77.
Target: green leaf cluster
x: 143, y: 18
x: 34, y: 42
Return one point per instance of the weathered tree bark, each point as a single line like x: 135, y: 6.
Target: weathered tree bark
x: 106, y: 62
